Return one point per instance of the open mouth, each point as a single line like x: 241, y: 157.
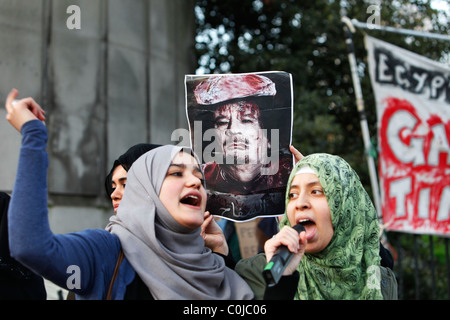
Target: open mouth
x: 310, y: 227
x: 306, y: 222
x: 191, y: 200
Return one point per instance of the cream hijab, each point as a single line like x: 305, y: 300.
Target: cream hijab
x: 171, y: 260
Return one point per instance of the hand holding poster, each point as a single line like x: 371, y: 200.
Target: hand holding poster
x: 413, y: 105
x: 241, y: 126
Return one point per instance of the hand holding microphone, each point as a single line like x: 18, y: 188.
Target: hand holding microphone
x: 284, y: 252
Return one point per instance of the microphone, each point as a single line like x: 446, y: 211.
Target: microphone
x: 280, y: 260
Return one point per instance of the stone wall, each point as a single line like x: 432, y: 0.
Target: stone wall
x: 113, y: 80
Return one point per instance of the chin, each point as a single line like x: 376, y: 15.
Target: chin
x: 192, y: 224
x: 194, y: 221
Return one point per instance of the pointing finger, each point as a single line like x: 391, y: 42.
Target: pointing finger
x: 9, y: 100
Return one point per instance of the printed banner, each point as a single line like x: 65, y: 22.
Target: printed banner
x: 240, y: 128
x: 413, y: 106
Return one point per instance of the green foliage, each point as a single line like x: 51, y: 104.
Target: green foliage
x: 423, y: 276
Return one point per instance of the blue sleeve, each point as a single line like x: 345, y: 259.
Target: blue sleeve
x: 89, y: 253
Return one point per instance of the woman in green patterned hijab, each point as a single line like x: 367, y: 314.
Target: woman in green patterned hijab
x: 342, y: 263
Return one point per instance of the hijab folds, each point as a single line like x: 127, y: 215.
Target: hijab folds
x: 171, y: 259
x: 348, y: 268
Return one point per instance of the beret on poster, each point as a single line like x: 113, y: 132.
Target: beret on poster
x: 227, y: 87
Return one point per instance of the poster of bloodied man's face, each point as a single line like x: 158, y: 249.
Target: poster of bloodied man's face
x: 240, y: 129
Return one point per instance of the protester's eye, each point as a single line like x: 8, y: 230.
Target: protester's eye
x: 293, y: 195
x: 175, y: 173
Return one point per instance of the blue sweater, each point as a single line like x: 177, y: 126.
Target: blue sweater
x: 88, y: 256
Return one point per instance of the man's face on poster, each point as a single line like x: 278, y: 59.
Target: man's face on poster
x: 240, y: 133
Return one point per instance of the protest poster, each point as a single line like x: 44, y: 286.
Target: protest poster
x: 412, y: 96
x: 240, y: 128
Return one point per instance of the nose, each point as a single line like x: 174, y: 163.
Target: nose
x: 193, y: 181
x: 302, y: 202
x: 117, y: 194
x: 233, y: 127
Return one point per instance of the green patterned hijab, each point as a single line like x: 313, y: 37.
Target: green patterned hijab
x: 348, y: 268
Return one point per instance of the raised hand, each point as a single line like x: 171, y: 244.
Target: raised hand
x: 213, y: 235
x: 290, y: 238
x: 22, y: 111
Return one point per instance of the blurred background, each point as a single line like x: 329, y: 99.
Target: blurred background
x: 118, y: 80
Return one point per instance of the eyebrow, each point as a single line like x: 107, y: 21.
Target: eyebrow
x: 245, y: 113
x: 120, y: 180
x: 183, y: 166
x: 220, y: 117
x: 309, y: 184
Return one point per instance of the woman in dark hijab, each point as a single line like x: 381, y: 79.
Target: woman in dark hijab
x: 116, y: 179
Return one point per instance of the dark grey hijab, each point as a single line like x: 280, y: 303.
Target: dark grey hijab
x: 172, y: 260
